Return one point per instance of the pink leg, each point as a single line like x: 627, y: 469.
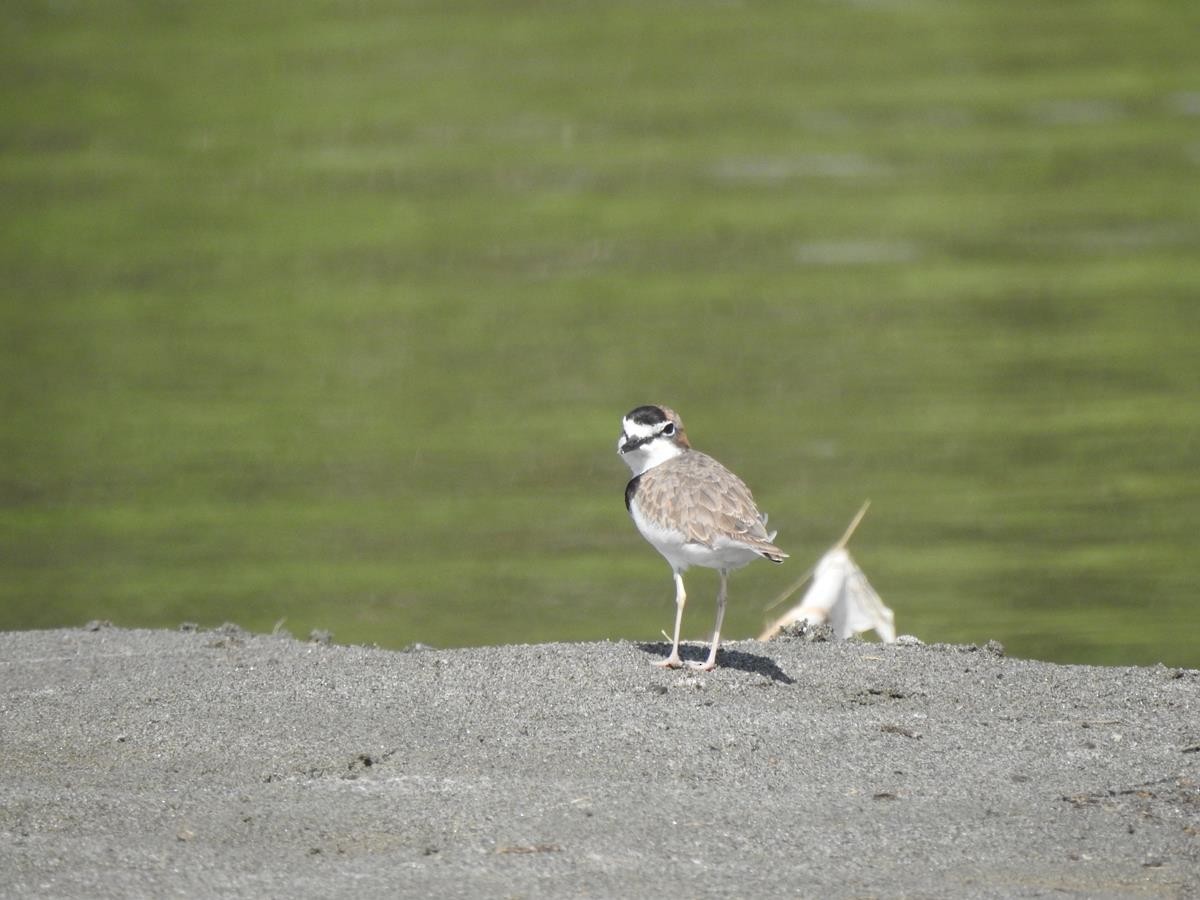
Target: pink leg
x: 711, y: 662
x: 673, y: 661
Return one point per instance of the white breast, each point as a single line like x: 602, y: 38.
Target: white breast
x: 724, y: 554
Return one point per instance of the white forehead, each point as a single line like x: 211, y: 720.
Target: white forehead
x: 638, y: 429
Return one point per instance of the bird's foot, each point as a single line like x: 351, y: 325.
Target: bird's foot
x: 671, y: 662
x: 707, y: 666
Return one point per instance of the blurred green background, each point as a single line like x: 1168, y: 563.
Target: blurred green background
x: 328, y: 312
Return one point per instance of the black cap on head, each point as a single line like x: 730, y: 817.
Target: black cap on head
x: 647, y: 415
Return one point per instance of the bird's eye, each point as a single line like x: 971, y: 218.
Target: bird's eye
x: 669, y: 429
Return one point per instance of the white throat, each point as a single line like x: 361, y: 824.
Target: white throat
x: 651, y: 454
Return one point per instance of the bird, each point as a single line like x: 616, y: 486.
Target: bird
x: 691, y: 509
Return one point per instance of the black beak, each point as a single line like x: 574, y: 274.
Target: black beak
x: 634, y: 443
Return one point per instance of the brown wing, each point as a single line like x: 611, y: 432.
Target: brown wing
x: 708, y: 499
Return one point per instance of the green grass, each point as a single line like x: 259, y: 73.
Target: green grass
x: 329, y: 312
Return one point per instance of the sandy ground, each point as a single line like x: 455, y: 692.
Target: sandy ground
x: 221, y: 764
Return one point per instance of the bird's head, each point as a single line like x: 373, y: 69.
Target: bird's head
x: 650, y: 435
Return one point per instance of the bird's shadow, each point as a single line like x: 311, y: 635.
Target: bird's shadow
x: 726, y: 659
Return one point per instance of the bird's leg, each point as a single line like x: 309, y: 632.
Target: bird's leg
x: 711, y: 662
x: 673, y: 661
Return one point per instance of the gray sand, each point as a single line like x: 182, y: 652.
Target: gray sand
x: 205, y: 764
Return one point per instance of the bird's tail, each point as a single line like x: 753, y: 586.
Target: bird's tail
x: 767, y: 550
